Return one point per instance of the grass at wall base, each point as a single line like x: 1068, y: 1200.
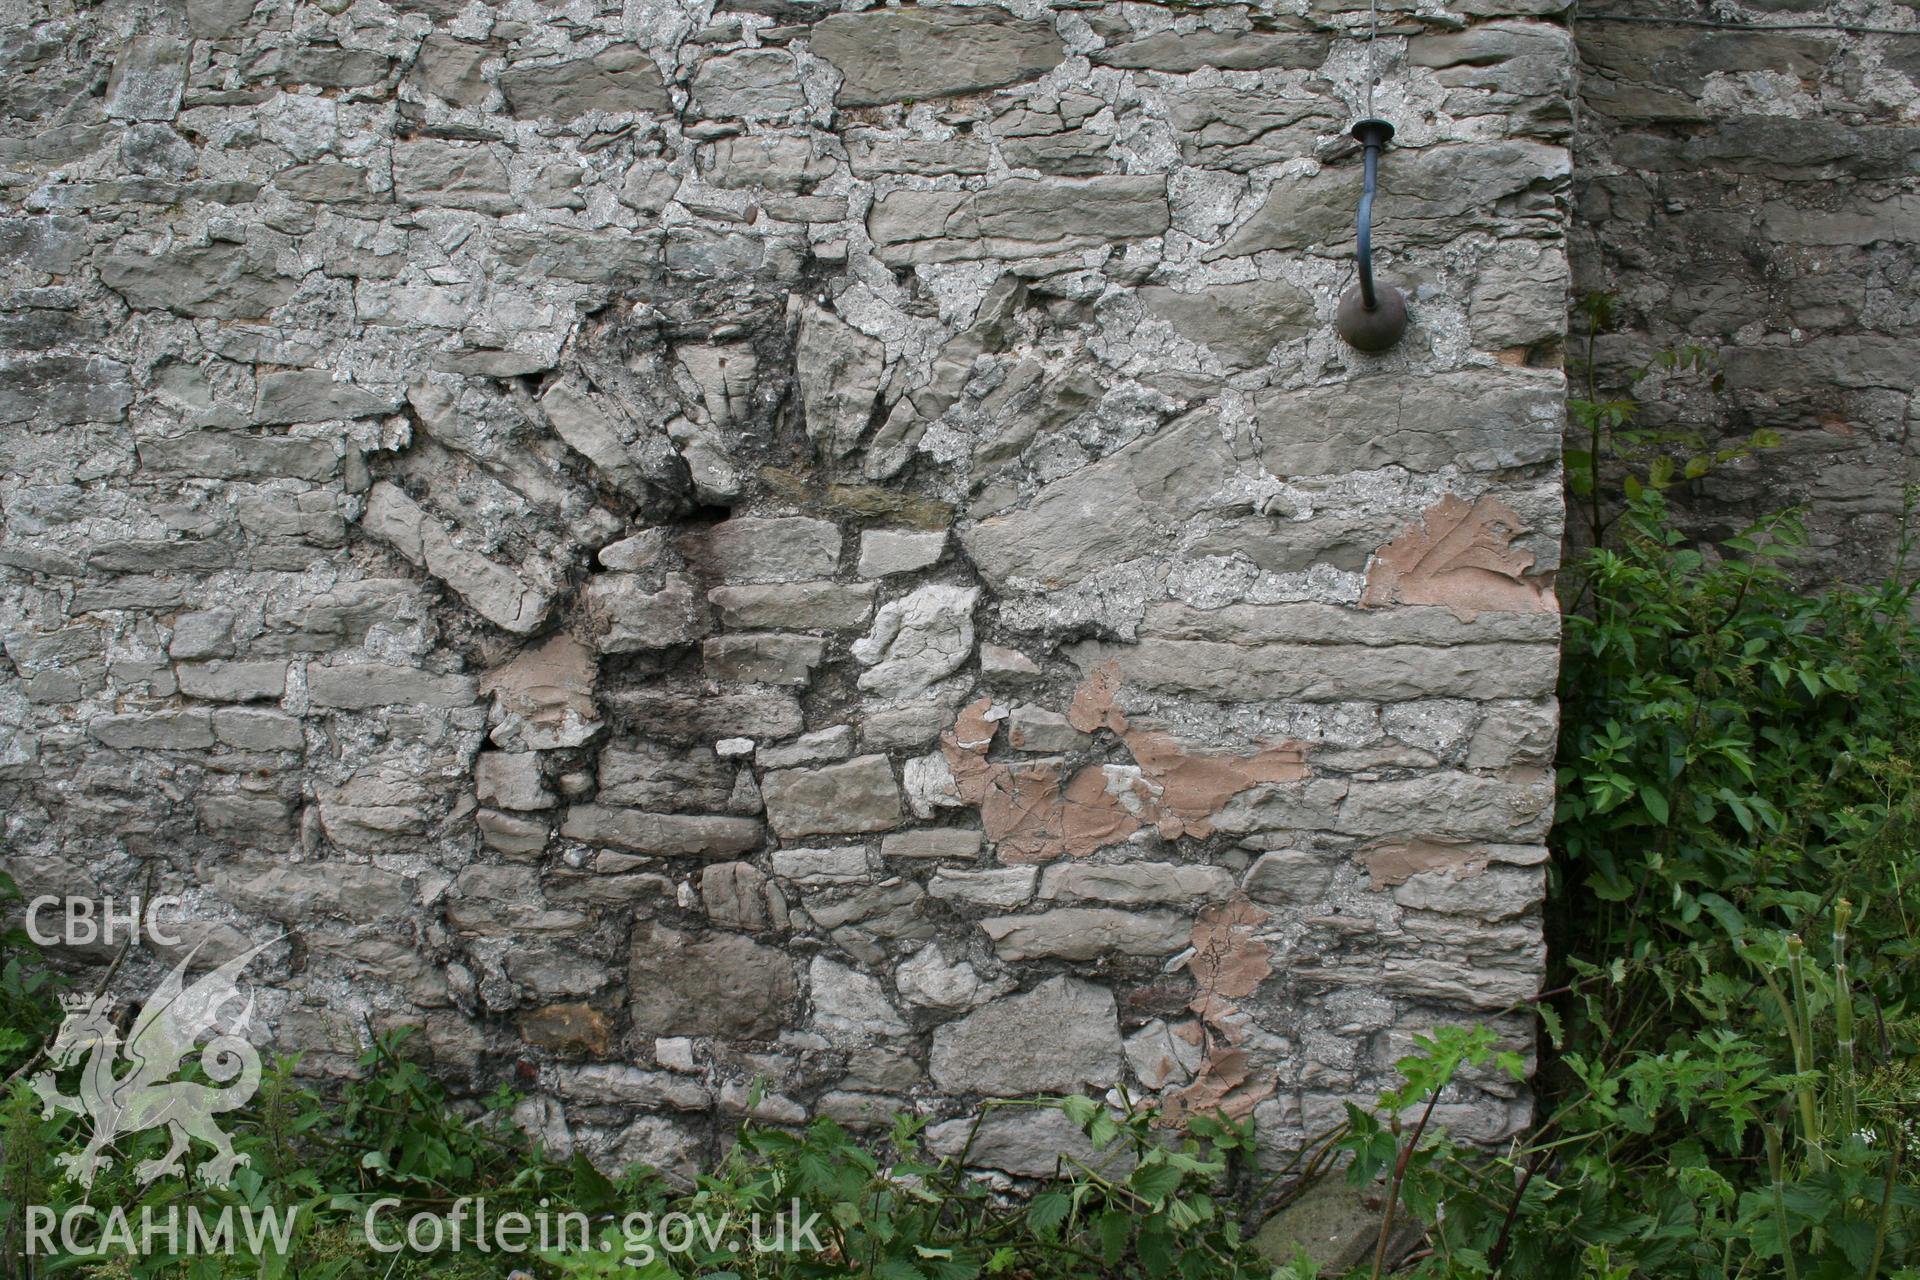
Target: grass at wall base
x: 1729, y: 1086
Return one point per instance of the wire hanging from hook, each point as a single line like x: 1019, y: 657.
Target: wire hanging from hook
x: 1373, y: 38
x: 1370, y: 318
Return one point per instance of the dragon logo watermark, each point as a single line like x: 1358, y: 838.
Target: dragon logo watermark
x: 127, y: 1087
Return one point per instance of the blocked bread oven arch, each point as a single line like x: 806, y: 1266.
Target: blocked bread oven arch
x: 840, y: 551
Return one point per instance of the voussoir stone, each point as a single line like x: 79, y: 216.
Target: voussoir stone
x: 496, y: 592
x: 897, y: 54
x: 856, y: 795
x: 839, y: 369
x: 510, y: 780
x: 148, y: 79
x: 1060, y: 1037
x: 670, y: 835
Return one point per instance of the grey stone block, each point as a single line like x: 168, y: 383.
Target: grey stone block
x: 932, y: 842
x: 662, y: 834
x: 221, y: 281
x: 1069, y: 1034
x: 890, y: 55
x: 884, y: 552
x: 359, y: 686
x: 1087, y: 933
x: 797, y: 606
x: 156, y: 731
x: 854, y: 796
x: 763, y: 658
x: 746, y: 549
x: 718, y: 984
x: 620, y: 78
x: 220, y: 681
x: 252, y: 729
x: 313, y: 395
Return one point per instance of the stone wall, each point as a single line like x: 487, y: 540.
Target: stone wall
x: 1757, y: 192
x: 676, y: 545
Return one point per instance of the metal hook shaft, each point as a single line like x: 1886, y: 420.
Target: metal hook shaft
x: 1373, y: 136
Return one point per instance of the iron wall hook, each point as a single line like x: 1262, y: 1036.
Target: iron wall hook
x: 1371, y: 319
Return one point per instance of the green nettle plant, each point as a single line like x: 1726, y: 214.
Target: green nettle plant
x: 809, y: 1203
x: 28, y: 1008
x: 1143, y: 1206
x: 1732, y: 1082
x: 1735, y: 1080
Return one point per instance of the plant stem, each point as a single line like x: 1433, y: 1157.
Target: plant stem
x: 1886, y: 1210
x: 1393, y: 1185
x: 1776, y: 1165
x: 1803, y: 1016
x: 1843, y: 1021
x: 1497, y: 1256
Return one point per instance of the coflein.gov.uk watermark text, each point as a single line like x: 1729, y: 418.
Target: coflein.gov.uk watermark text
x: 470, y: 1224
